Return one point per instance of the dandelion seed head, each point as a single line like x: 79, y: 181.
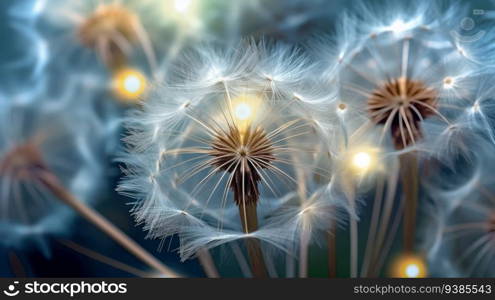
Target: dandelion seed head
x: 403, y: 73
x: 45, y: 136
x: 20, y: 162
x: 245, y: 141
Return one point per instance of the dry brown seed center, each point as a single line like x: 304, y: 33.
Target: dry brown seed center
x: 401, y: 104
x: 244, y: 155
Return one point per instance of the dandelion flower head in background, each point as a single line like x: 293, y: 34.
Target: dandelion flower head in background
x: 403, y: 76
x: 61, y: 137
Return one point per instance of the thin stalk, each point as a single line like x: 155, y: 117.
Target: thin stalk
x: 290, y: 266
x: 353, y: 237
x: 377, y: 204
x: 207, y: 263
x: 241, y: 260
x: 354, y: 247
x: 304, y: 239
x: 387, y: 208
x: 409, y: 179
x: 249, y: 221
x: 390, y: 240
x: 104, y: 259
x: 303, y: 254
x: 51, y: 182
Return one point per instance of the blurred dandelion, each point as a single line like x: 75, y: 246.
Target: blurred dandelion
x: 466, y: 227
x: 112, y: 29
x: 399, y: 71
x: 44, y: 149
x: 29, y: 143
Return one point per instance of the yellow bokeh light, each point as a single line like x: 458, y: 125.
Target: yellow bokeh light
x: 245, y: 109
x: 129, y: 84
x: 362, y: 160
x: 409, y: 266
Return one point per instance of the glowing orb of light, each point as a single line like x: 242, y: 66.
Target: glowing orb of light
x: 412, y: 271
x: 398, y: 26
x: 361, y: 160
x: 182, y: 5
x: 409, y: 266
x: 129, y: 84
x: 243, y: 111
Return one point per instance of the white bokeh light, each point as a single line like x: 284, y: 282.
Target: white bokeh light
x: 412, y: 271
x: 243, y: 111
x: 132, y: 84
x: 361, y: 160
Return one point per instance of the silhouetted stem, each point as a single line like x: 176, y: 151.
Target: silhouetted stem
x: 303, y: 254
x: 51, y: 182
x: 104, y: 259
x: 249, y: 220
x: 409, y: 178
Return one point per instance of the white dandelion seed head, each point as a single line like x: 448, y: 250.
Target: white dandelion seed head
x: 186, y: 163
x: 402, y: 75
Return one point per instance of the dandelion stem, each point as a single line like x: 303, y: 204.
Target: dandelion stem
x: 207, y: 263
x: 409, y: 178
x: 243, y: 263
x: 104, y: 259
x: 249, y: 220
x: 51, y: 182
x: 304, y: 254
x: 377, y: 204
x: 354, y: 247
x: 385, y: 216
